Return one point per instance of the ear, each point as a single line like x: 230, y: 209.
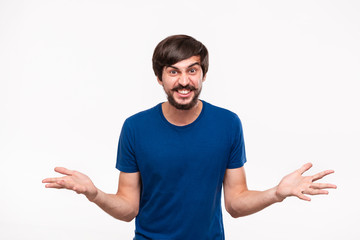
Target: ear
x: 204, y: 78
x: 159, y: 81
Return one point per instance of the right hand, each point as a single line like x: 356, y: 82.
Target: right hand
x: 76, y: 181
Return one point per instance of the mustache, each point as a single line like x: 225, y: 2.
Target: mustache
x: 187, y: 87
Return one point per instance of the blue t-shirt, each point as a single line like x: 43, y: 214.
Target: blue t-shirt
x: 182, y: 170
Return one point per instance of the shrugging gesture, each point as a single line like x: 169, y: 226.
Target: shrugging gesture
x: 73, y: 180
x: 124, y: 205
x: 295, y: 184
x: 240, y: 201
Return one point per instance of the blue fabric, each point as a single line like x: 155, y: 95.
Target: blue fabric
x: 182, y: 170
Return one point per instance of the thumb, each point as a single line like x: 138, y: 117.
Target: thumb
x: 304, y: 168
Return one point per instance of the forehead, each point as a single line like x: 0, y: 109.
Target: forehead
x: 187, y: 62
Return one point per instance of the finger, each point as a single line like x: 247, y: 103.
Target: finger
x: 316, y: 191
x: 303, y: 197
x: 320, y: 175
x: 65, y: 184
x: 53, y: 185
x: 63, y: 170
x: 50, y: 180
x: 322, y: 185
x: 304, y: 168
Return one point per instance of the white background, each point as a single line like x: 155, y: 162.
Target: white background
x: 72, y: 71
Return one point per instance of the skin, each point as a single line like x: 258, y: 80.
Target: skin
x: 184, y: 73
x: 239, y: 200
x: 124, y: 205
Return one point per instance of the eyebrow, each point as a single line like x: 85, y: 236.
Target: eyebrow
x: 191, y: 65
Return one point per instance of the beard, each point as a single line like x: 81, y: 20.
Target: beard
x: 187, y: 106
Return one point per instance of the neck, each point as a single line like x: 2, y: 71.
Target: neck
x: 181, y: 117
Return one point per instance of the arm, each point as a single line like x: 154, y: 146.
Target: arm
x: 124, y: 205
x: 239, y: 201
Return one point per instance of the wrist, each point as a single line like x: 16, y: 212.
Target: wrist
x: 277, y: 195
x: 93, y: 196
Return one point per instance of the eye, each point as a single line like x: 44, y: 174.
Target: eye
x: 193, y: 70
x: 173, y: 72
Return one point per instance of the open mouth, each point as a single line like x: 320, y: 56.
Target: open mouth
x: 183, y: 91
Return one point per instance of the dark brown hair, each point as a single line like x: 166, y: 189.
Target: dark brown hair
x: 176, y: 48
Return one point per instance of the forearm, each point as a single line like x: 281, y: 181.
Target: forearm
x: 116, y: 206
x: 249, y: 202
x: 124, y: 205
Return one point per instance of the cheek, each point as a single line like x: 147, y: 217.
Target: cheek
x: 168, y: 86
x: 196, y: 80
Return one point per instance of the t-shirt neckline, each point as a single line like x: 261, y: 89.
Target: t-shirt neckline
x: 159, y: 107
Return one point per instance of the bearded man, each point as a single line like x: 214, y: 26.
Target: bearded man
x: 175, y: 158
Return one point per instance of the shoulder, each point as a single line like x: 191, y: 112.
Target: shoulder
x: 144, y: 117
x: 224, y: 118
x: 221, y: 113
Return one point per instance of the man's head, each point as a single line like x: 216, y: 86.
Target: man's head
x: 176, y: 48
x: 180, y: 63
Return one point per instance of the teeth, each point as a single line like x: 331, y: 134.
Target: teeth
x: 184, y: 91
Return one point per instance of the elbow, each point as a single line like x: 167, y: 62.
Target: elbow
x: 235, y: 209
x: 233, y: 213
x: 130, y: 216
x: 127, y: 219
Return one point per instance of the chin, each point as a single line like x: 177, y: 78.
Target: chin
x: 187, y: 105
x: 184, y: 104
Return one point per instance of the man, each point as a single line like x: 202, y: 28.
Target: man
x: 175, y: 157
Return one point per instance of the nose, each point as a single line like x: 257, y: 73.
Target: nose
x: 184, y: 80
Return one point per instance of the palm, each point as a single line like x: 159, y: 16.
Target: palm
x: 297, y: 185
x: 76, y: 181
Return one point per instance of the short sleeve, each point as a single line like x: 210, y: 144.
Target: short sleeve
x: 237, y: 155
x: 126, y: 161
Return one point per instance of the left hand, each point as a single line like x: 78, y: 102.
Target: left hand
x: 297, y: 185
